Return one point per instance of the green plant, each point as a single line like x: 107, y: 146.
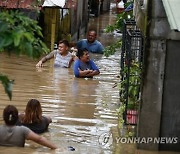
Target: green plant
x: 129, y: 95
x: 19, y: 35
x: 119, y: 20
x: 132, y: 81
x: 120, y: 112
x: 110, y: 50
x: 38, y: 2
x: 7, y: 84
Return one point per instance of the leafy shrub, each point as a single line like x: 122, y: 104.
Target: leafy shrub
x: 20, y: 34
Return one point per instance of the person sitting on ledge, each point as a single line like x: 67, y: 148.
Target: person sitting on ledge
x: 12, y: 135
x: 83, y: 66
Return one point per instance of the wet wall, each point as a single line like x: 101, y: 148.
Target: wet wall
x: 159, y: 112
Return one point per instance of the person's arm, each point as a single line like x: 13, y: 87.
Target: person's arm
x: 40, y: 140
x: 78, y: 72
x: 85, y: 73
x: 94, y: 71
x: 44, y: 59
x: 70, y: 62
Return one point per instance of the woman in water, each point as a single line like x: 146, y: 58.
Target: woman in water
x: 12, y: 135
x: 33, y: 118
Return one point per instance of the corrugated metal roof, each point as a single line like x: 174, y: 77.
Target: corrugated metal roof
x: 172, y: 8
x: 59, y: 3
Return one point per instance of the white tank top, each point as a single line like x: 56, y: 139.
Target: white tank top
x: 62, y: 61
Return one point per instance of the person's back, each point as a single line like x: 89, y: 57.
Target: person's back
x: 33, y: 117
x: 37, y: 127
x: 13, y: 136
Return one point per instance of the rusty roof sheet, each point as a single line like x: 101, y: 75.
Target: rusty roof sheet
x: 29, y: 4
x: 11, y: 4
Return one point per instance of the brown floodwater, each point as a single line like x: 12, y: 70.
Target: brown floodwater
x: 83, y: 111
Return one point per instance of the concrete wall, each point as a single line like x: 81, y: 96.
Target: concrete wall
x: 170, y: 122
x: 160, y: 106
x: 139, y: 12
x: 150, y: 111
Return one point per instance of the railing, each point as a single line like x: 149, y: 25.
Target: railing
x: 131, y: 70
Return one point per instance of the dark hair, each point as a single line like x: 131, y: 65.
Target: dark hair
x: 33, y: 112
x: 10, y: 115
x: 65, y: 42
x: 80, y: 52
x: 92, y: 30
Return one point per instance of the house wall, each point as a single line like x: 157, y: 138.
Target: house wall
x: 79, y: 19
x: 170, y: 122
x: 159, y: 109
x: 140, y: 12
x: 51, y: 25
x: 65, y: 23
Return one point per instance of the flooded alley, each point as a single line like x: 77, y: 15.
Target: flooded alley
x: 82, y: 110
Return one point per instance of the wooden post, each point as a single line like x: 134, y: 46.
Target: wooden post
x: 53, y: 28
